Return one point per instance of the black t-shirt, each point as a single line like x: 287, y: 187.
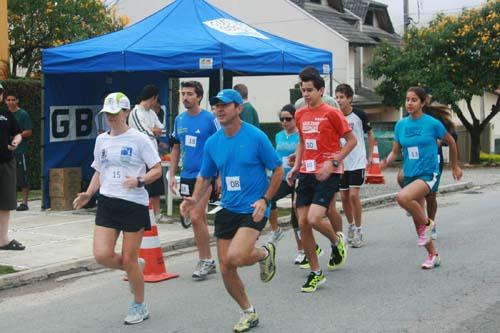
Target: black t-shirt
x: 8, y: 129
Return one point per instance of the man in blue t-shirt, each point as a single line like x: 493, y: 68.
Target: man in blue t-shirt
x: 192, y: 128
x: 240, y: 154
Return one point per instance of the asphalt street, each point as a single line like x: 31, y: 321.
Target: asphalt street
x: 381, y: 288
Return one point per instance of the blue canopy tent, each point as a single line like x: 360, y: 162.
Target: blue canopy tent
x: 188, y: 38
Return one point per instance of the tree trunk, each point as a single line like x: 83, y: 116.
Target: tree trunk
x: 475, y: 145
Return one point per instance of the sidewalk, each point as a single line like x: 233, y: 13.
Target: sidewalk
x: 58, y: 243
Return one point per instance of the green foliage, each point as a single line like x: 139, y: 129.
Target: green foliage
x: 295, y: 93
x: 271, y: 129
x: 39, y: 24
x: 29, y: 93
x: 457, y: 56
x: 6, y: 270
x: 490, y: 158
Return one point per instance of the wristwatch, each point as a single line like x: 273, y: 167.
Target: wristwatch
x: 140, y: 182
x: 335, y: 163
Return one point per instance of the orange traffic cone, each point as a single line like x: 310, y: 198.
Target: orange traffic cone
x: 373, y: 174
x: 151, y: 252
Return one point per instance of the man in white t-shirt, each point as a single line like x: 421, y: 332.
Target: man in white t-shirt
x: 354, y: 164
x: 145, y: 120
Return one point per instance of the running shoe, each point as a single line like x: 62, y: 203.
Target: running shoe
x: 137, y: 314
x: 203, y: 268
x: 275, y: 236
x: 339, y: 253
x: 142, y: 264
x: 313, y: 282
x: 300, y: 258
x: 305, y: 264
x: 357, y: 241
x: 162, y: 219
x: 268, y: 264
x: 424, y: 233
x: 433, y: 260
x: 248, y: 321
x: 350, y: 232
x: 434, y: 233
x: 22, y: 207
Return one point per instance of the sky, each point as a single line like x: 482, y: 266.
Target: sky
x: 421, y: 11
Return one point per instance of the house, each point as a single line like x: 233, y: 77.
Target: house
x: 350, y: 29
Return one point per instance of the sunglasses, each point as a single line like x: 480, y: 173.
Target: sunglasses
x: 286, y: 118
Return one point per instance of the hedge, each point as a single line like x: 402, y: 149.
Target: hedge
x: 29, y: 94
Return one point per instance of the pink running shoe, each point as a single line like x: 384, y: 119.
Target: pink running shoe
x: 424, y: 233
x: 433, y: 260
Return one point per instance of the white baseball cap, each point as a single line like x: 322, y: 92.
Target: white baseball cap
x: 115, y: 102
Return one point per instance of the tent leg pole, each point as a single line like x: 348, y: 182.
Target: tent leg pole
x: 42, y: 146
x: 331, y: 83
x: 221, y: 78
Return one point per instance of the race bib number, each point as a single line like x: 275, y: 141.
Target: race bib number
x: 413, y: 153
x: 190, y: 141
x: 311, y: 144
x: 310, y: 165
x: 184, y: 189
x: 116, y: 175
x: 233, y: 183
x: 284, y: 160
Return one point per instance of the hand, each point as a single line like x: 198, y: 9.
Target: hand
x: 291, y: 160
x: 13, y: 145
x: 457, y: 172
x: 130, y: 182
x: 156, y: 131
x: 81, y: 200
x: 172, y: 183
x: 383, y: 164
x: 326, y: 170
x: 290, y: 177
x: 186, y: 205
x: 259, y: 209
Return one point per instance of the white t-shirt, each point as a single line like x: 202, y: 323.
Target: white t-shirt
x: 358, y: 121
x: 121, y: 156
x: 144, y: 121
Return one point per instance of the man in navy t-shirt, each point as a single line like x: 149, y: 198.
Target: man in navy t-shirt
x: 192, y: 128
x: 240, y: 154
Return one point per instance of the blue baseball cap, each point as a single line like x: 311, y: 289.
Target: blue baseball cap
x: 227, y: 96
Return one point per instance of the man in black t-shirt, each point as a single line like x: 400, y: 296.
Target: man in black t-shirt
x: 10, y: 138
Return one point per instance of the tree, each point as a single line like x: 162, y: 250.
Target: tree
x: 38, y: 24
x: 456, y: 56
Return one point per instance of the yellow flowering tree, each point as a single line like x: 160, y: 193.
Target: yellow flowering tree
x: 455, y: 56
x: 38, y: 24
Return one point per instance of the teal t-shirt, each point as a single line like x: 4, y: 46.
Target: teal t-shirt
x: 24, y: 122
x: 285, y: 146
x: 249, y: 114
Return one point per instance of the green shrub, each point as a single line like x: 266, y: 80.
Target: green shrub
x: 489, y: 158
x: 29, y: 93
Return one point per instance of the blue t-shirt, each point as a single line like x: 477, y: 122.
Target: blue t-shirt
x: 241, y: 160
x: 285, y: 146
x: 418, y: 139
x: 193, y: 132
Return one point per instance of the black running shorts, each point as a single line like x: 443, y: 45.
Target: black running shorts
x: 121, y: 214
x: 311, y: 191
x: 227, y: 223
x: 352, y: 178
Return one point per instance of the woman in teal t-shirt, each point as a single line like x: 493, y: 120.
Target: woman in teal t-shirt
x: 286, y: 142
x: 416, y: 137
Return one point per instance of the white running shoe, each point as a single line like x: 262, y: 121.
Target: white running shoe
x: 275, y: 236
x: 137, y: 314
x: 357, y: 240
x: 350, y: 232
x: 299, y: 258
x: 203, y: 268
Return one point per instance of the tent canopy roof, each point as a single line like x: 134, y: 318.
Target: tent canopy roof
x: 187, y: 35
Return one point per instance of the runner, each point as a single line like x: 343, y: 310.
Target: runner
x: 241, y: 153
x: 417, y: 135
x: 354, y: 163
x: 443, y: 114
x: 318, y: 163
x: 120, y: 159
x: 191, y: 130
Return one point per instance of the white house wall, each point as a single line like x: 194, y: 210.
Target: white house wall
x: 283, y: 18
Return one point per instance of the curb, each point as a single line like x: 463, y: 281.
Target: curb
x: 26, y: 277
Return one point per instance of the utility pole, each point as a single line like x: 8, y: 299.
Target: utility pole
x: 406, y: 17
x: 4, y: 41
